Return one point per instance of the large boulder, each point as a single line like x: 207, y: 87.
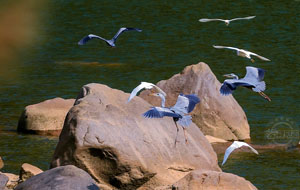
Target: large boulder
x: 216, y: 115
x: 212, y: 180
x: 110, y: 139
x: 45, y: 118
x: 60, y: 178
x: 28, y: 170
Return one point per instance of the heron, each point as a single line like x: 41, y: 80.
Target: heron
x: 243, y: 53
x: 225, y: 20
x: 252, y: 80
x: 233, y: 146
x: 179, y: 112
x: 146, y: 85
x: 110, y: 42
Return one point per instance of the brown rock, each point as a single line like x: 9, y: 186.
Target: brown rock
x: 109, y: 138
x: 3, y: 181
x: 13, y: 180
x: 212, y: 139
x: 28, y: 170
x: 216, y: 115
x: 212, y: 180
x: 45, y: 118
x: 1, y: 163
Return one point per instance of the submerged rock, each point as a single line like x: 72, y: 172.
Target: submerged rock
x: 45, y: 118
x: 60, y: 178
x: 28, y: 170
x: 111, y: 140
x: 216, y: 115
x: 211, y: 180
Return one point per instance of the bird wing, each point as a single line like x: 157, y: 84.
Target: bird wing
x: 185, y: 103
x: 254, y: 74
x: 227, y: 88
x: 159, y: 112
x: 233, y: 146
x: 144, y: 85
x: 87, y: 38
x: 244, y: 18
x: 226, y: 47
x: 259, y: 56
x: 208, y: 19
x: 123, y: 29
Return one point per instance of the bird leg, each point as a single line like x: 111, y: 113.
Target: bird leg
x: 184, y: 129
x: 177, y: 129
x: 265, y: 96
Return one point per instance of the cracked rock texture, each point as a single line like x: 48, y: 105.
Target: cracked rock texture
x: 211, y: 180
x: 216, y: 115
x: 109, y: 138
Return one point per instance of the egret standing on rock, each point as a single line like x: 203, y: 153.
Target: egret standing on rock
x: 252, y: 80
x: 224, y: 20
x: 233, y: 146
x: 243, y: 53
x: 184, y: 105
x: 111, y: 42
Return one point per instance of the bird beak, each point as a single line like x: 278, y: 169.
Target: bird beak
x: 226, y: 75
x: 152, y: 94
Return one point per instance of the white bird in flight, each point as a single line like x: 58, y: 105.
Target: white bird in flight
x: 225, y: 20
x: 233, y: 146
x: 147, y: 86
x: 243, y: 53
x: 110, y: 42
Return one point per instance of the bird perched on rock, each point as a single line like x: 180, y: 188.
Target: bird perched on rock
x: 110, y: 42
x: 252, y: 80
x: 233, y: 146
x: 243, y: 53
x: 179, y: 112
x: 225, y: 20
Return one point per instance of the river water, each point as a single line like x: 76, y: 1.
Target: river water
x: 51, y: 64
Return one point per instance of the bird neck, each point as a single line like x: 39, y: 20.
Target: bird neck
x: 163, y: 101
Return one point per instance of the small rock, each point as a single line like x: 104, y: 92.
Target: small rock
x: 1, y: 163
x: 13, y: 180
x: 60, y: 178
x: 3, y: 181
x: 28, y: 170
x: 45, y: 118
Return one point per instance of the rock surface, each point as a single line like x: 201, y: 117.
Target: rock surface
x: 1, y: 163
x: 13, y: 180
x: 212, y: 139
x: 216, y: 115
x: 109, y: 138
x: 45, y: 118
x: 212, y: 180
x: 28, y: 170
x: 3, y: 181
x: 60, y: 178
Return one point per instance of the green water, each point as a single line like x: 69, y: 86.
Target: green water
x: 54, y: 65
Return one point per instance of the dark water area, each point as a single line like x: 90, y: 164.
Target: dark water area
x: 53, y: 65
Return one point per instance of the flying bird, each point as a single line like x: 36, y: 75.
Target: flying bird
x: 233, y: 146
x: 224, y: 20
x: 252, y: 80
x: 147, y: 86
x: 111, y: 42
x: 243, y: 53
x: 179, y: 112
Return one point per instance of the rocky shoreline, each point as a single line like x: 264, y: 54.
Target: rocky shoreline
x: 105, y: 143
